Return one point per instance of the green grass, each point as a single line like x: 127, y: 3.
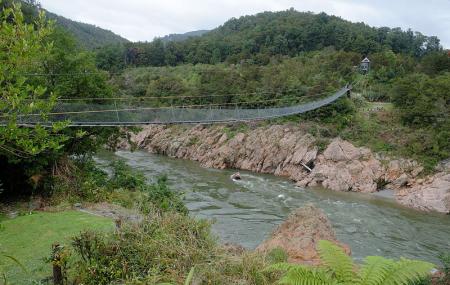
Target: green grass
x: 29, y: 239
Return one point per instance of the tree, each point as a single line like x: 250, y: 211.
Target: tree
x: 338, y: 268
x: 22, y: 50
x: 435, y: 63
x: 111, y: 57
x: 282, y: 33
x: 422, y: 101
x: 39, y: 64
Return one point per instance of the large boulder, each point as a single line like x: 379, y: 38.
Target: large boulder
x: 432, y: 194
x: 344, y: 167
x: 300, y: 234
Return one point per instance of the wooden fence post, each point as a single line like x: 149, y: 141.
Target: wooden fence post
x: 58, y: 277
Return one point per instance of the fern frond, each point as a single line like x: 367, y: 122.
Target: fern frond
x: 405, y: 271
x: 336, y: 261
x: 307, y: 276
x: 374, y: 270
x: 282, y: 266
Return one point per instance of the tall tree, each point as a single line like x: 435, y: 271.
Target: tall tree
x: 23, y: 48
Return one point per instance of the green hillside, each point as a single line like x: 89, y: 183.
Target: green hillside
x: 88, y: 36
x: 259, y: 37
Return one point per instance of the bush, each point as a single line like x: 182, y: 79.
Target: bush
x: 161, y: 198
x: 277, y: 255
x: 340, y: 113
x: 154, y: 197
x: 123, y: 176
x: 81, y: 179
x: 78, y: 179
x: 162, y: 248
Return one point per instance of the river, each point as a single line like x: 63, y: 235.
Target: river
x: 245, y: 212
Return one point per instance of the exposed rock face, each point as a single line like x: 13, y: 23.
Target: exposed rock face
x: 277, y: 149
x: 300, y: 233
x: 343, y: 167
x: 289, y: 151
x: 401, y: 172
x: 430, y: 194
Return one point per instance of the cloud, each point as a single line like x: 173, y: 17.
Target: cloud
x: 145, y: 19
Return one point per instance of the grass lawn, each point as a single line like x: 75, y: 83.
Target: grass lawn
x: 29, y: 240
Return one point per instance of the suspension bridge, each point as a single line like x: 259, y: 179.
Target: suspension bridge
x: 78, y: 113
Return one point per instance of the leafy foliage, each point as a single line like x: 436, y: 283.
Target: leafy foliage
x: 423, y: 100
x: 338, y: 268
x: 124, y: 177
x: 82, y: 180
x: 156, y: 249
x: 23, y: 43
x: 257, y: 38
x: 32, y: 47
x: 424, y: 104
x: 286, y: 81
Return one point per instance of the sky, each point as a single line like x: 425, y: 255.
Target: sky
x: 143, y: 20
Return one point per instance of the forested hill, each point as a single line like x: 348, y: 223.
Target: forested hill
x: 182, y: 37
x: 88, y: 36
x: 287, y: 33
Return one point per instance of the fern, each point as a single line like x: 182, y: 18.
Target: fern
x: 307, y: 276
x: 406, y: 271
x: 282, y: 266
x: 336, y: 261
x: 338, y: 268
x: 375, y: 270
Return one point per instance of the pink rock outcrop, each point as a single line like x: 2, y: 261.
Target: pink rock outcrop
x: 432, y: 194
x: 289, y: 151
x: 344, y: 167
x: 299, y: 235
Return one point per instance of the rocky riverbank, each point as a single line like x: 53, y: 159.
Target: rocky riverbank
x: 289, y: 151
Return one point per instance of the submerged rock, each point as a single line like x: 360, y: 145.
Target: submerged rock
x: 300, y: 234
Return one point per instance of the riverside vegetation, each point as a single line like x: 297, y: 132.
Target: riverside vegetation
x: 162, y: 243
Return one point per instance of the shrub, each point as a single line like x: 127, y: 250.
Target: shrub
x: 82, y: 180
x: 76, y: 179
x: 277, y: 255
x: 162, y: 198
x: 162, y: 248
x: 125, y: 177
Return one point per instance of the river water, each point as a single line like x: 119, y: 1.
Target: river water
x: 245, y: 212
